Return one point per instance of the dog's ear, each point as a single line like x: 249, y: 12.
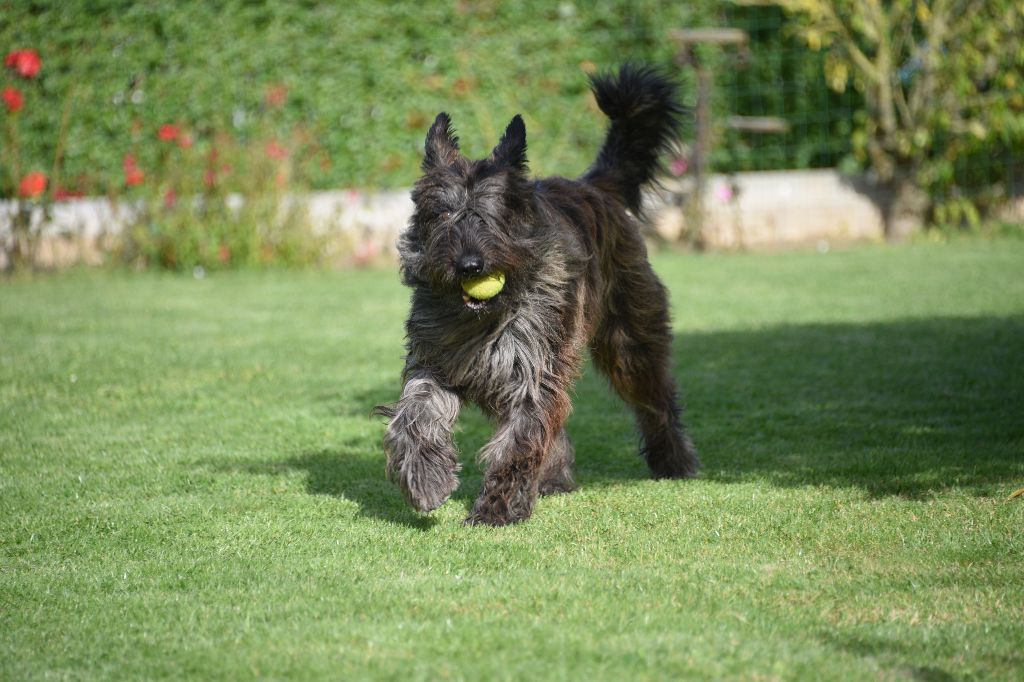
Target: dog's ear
x: 442, y: 146
x: 511, y: 150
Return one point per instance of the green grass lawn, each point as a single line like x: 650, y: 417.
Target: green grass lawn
x: 191, y: 486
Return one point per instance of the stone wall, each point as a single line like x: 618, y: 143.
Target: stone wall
x: 774, y: 210
x: 742, y: 211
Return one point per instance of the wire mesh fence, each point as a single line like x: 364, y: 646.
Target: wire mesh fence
x: 774, y: 74
x: 763, y: 101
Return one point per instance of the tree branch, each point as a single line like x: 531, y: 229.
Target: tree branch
x: 860, y: 60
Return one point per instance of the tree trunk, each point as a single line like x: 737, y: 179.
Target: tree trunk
x: 906, y: 208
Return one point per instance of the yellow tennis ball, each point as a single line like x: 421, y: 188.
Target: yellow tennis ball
x: 485, y: 287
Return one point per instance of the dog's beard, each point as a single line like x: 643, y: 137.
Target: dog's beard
x: 432, y: 265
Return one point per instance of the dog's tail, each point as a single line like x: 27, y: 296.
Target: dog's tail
x: 643, y: 105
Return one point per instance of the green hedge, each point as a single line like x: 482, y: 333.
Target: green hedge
x: 365, y: 78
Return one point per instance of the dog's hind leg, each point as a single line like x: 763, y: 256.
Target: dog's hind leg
x: 633, y: 348
x: 422, y: 458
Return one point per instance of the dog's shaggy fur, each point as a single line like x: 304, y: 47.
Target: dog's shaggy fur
x: 577, y: 277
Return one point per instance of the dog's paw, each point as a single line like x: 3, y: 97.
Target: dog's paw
x: 488, y: 518
x: 672, y: 457
x: 492, y: 511
x: 426, y: 483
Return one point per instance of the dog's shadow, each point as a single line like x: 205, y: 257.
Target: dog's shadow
x: 860, y: 396
x: 350, y: 472
x: 357, y: 475
x: 354, y: 471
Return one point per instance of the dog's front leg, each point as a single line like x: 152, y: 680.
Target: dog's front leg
x: 515, y: 457
x: 422, y: 458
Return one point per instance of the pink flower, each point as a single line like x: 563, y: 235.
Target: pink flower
x: 366, y: 253
x: 679, y: 166
x: 724, y: 193
x: 185, y: 141
x: 169, y: 132
x: 26, y: 63
x: 13, y: 99
x: 170, y: 198
x: 275, y: 151
x: 32, y: 185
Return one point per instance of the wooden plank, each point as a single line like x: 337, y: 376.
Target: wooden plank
x: 758, y: 124
x: 709, y: 36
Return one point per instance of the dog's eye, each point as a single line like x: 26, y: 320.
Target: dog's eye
x: 444, y: 216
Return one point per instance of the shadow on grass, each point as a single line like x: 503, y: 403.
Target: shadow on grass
x: 352, y: 473
x: 907, y: 408
x: 893, y: 651
x: 358, y: 476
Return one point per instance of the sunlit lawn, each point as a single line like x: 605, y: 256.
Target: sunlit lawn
x: 191, y: 486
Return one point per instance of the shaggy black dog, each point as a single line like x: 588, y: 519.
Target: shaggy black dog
x: 575, y: 276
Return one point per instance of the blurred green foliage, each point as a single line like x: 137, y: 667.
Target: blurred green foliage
x: 943, y: 87
x: 366, y: 79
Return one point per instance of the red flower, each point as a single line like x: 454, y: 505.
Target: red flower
x: 13, y: 99
x: 275, y: 151
x: 185, y: 141
x: 169, y: 132
x: 224, y: 253
x: 32, y: 185
x: 276, y: 95
x: 170, y: 198
x: 26, y: 63
x: 133, y: 175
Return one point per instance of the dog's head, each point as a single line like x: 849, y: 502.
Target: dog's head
x: 472, y: 219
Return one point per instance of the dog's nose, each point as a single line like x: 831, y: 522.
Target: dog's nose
x: 471, y: 265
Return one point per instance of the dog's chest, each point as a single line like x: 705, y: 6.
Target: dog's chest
x: 493, y: 365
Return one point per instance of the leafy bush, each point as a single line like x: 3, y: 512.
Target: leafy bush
x: 370, y: 77
x: 942, y: 83
x: 364, y: 79
x: 210, y: 202
x: 217, y: 203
